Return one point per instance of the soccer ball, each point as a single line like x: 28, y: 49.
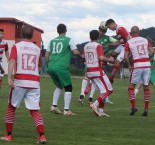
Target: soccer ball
x: 103, y: 26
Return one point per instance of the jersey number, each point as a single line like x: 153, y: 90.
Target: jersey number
x: 57, y: 47
x: 141, y: 50
x: 90, y: 57
x: 29, y: 62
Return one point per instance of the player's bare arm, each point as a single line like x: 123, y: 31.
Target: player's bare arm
x: 10, y: 71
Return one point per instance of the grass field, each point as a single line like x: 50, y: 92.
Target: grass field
x: 84, y: 128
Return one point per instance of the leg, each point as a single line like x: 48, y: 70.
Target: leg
x: 37, y: 118
x: 92, y: 91
x: 0, y: 81
x: 138, y: 87
x: 105, y: 88
x: 56, y: 96
x: 83, y: 88
x: 10, y: 116
x: 120, y: 57
x: 67, y: 100
x: 114, y: 71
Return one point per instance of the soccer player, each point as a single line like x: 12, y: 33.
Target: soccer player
x: 58, y: 55
x: 104, y: 40
x: 123, y: 36
x: 93, y: 54
x: 3, y: 47
x: 138, y: 47
x: 26, y: 56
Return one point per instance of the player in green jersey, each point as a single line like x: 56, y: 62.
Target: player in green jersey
x: 58, y: 55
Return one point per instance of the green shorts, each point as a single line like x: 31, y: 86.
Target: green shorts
x: 60, y: 76
x: 152, y: 77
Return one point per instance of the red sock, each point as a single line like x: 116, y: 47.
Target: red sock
x: 131, y: 94
x: 88, y: 88
x: 0, y: 83
x: 37, y: 118
x: 10, y: 116
x: 101, y: 104
x: 146, y: 98
x: 114, y: 71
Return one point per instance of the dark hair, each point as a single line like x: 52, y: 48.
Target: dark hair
x: 1, y: 30
x: 61, y: 28
x: 94, y: 34
x: 109, y: 21
x: 27, y: 32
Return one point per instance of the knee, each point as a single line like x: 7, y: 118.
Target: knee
x: 68, y: 88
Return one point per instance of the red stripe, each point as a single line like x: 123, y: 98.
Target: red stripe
x: 141, y: 60
x: 2, y: 45
x: 104, y: 83
x: 94, y: 69
x: 27, y: 77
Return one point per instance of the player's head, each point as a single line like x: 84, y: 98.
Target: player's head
x: 94, y: 34
x: 1, y: 33
x: 61, y: 28
x: 135, y: 31
x: 102, y: 31
x: 110, y: 23
x: 27, y: 32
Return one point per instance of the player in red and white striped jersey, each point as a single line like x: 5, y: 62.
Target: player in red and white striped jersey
x: 3, y: 47
x: 26, y: 56
x: 93, y: 54
x: 139, y: 48
x: 122, y: 36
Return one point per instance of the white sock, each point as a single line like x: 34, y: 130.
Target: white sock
x: 100, y: 109
x: 67, y: 99
x: 84, y: 85
x: 96, y: 103
x: 56, y: 96
x: 92, y: 91
x: 107, y: 99
x: 136, y: 91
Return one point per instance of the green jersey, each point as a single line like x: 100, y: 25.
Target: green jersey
x: 60, y: 50
x: 104, y: 41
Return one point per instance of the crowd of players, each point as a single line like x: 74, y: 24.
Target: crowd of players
x: 26, y: 58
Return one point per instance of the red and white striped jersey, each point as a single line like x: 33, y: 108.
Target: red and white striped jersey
x: 3, y: 47
x: 122, y: 33
x: 138, y: 46
x: 28, y: 58
x: 92, y: 51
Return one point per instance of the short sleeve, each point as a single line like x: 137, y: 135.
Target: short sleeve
x: 13, y: 54
x: 6, y: 47
x: 100, y: 50
x: 72, y: 44
x: 48, y: 47
x: 127, y: 47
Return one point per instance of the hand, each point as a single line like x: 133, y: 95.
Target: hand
x: 130, y: 68
x: 11, y: 83
x: 111, y: 59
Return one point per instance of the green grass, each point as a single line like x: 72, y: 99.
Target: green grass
x: 84, y: 128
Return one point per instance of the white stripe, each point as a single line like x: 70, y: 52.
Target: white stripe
x: 94, y: 74
x: 27, y: 83
x: 141, y: 64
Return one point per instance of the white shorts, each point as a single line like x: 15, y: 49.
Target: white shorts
x: 102, y: 83
x: 30, y: 96
x: 137, y: 74
x: 120, y: 50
